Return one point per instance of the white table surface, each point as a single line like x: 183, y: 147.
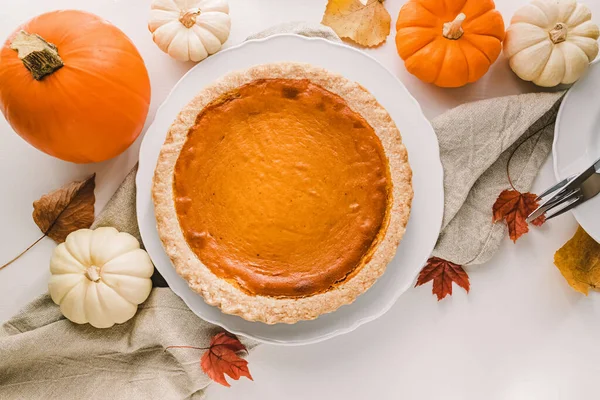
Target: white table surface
x: 522, y: 332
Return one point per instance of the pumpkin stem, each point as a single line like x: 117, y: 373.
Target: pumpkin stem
x: 558, y: 34
x: 453, y: 30
x: 92, y: 273
x: 39, y: 57
x: 188, y: 18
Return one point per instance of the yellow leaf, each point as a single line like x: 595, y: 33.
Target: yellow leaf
x: 579, y: 262
x: 366, y: 24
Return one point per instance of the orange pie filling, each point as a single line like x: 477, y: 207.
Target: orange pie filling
x: 282, y: 189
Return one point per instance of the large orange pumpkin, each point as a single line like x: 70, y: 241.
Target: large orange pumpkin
x: 74, y: 86
x: 449, y: 42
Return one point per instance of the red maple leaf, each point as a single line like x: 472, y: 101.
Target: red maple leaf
x: 221, y: 358
x: 443, y: 273
x: 514, y: 207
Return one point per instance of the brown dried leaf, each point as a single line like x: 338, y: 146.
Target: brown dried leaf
x: 66, y: 210
x: 63, y: 211
x: 579, y: 262
x: 366, y: 24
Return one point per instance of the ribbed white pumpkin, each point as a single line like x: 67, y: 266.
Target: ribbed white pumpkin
x: 100, y: 276
x: 551, y: 42
x: 189, y: 29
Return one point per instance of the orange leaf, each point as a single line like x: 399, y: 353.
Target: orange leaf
x: 514, y: 207
x: 443, y: 273
x: 221, y: 359
x: 365, y: 22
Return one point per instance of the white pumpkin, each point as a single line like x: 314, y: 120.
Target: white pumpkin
x: 551, y: 42
x: 189, y: 29
x: 100, y: 276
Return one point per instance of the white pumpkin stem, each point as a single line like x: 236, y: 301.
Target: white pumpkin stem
x: 92, y: 273
x: 559, y: 33
x: 453, y: 30
x: 188, y: 19
x: 39, y: 57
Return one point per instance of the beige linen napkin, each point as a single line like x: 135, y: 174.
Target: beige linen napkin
x: 476, y: 140
x: 44, y: 356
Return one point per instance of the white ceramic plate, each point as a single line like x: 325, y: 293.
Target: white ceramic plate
x: 577, y: 141
x: 418, y: 135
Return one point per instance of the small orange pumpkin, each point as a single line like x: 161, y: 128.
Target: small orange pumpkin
x: 74, y: 86
x: 449, y: 42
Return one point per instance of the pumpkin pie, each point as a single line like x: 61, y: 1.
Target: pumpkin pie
x: 282, y: 192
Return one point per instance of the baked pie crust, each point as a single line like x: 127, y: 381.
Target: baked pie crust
x: 250, y: 143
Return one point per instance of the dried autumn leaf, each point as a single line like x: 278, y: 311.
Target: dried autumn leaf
x: 66, y: 210
x: 63, y: 211
x: 443, y: 273
x: 366, y: 24
x: 514, y: 207
x: 221, y: 359
x: 579, y: 262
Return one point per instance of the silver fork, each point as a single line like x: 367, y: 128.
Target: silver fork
x: 569, y: 193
